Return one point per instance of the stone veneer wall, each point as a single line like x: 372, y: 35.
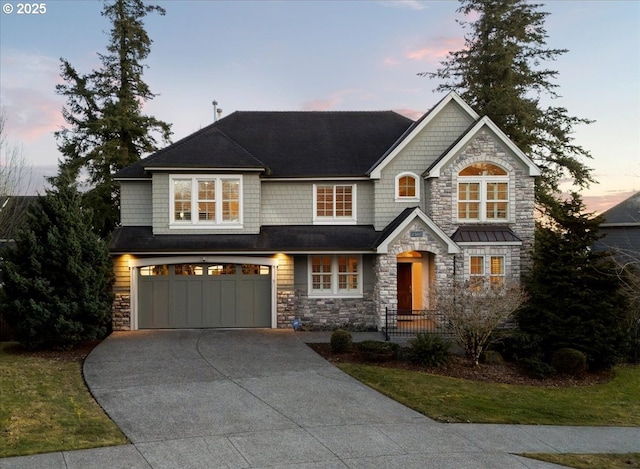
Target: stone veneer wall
x: 386, y: 268
x: 121, y: 316
x: 325, y: 312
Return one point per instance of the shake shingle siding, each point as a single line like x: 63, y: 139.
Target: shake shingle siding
x: 286, y: 203
x: 415, y: 157
x: 136, y: 208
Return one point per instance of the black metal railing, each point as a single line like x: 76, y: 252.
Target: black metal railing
x: 408, y: 323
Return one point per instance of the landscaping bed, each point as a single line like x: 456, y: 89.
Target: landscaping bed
x: 460, y: 367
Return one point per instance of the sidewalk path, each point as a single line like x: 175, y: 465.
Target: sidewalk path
x: 262, y: 398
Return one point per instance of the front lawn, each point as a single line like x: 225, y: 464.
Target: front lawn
x: 446, y: 399
x: 46, y: 406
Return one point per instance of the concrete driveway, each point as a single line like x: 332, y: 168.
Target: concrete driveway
x: 262, y: 398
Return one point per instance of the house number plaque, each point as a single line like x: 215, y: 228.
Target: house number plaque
x: 416, y: 234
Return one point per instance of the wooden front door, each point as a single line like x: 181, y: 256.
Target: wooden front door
x: 405, y: 299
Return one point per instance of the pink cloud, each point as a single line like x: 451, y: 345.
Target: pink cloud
x: 413, y: 114
x: 602, y: 203
x: 320, y: 104
x: 328, y: 103
x: 436, y: 52
x: 31, y: 113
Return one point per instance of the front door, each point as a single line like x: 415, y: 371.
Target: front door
x: 405, y: 299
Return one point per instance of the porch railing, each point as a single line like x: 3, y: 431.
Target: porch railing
x: 408, y: 323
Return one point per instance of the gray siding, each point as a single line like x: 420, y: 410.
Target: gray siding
x: 416, y: 157
x: 291, y: 203
x: 250, y: 208
x: 135, y: 205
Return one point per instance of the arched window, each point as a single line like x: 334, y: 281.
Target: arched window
x: 483, y: 193
x: 407, y: 187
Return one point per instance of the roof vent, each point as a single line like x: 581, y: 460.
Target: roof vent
x: 217, y: 112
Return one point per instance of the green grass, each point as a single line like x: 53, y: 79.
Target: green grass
x: 45, y: 406
x: 455, y: 400
x: 591, y: 461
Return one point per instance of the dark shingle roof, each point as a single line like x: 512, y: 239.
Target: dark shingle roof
x: 484, y: 234
x: 288, y: 144
x: 140, y: 239
x: 626, y: 212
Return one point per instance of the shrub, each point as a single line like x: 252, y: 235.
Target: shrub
x: 429, y: 350
x: 341, y: 341
x: 536, y: 368
x: 492, y: 357
x: 58, y: 275
x: 569, y: 361
x: 377, y: 351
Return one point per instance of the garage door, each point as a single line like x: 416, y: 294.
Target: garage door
x: 204, y: 295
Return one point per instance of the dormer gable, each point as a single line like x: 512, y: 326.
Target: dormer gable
x: 484, y: 124
x: 451, y: 99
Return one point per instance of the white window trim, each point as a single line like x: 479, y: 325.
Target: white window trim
x: 483, y: 181
x: 335, y: 292
x: 195, y: 223
x: 486, y: 267
x: 334, y: 220
x: 398, y: 197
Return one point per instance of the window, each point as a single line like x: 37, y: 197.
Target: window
x: 334, y: 203
x: 188, y: 269
x: 154, y: 270
x: 478, y: 270
x: 215, y: 201
x: 483, y: 193
x: 407, y: 187
x: 335, y: 275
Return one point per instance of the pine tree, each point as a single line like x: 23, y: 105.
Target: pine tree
x: 575, y: 298
x: 106, y: 130
x: 58, y: 275
x: 500, y: 73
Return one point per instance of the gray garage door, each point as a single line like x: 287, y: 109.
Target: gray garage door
x: 204, y: 295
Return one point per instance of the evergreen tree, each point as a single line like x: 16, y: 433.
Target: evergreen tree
x: 106, y: 130
x: 58, y: 275
x: 499, y: 72
x: 575, y: 299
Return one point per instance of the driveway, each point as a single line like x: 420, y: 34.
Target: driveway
x: 262, y: 398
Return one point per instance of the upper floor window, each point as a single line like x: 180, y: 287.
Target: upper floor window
x: 206, y: 200
x: 335, y: 275
x: 483, y: 193
x: 407, y: 188
x: 334, y: 203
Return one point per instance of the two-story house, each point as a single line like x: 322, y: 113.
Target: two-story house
x: 327, y: 217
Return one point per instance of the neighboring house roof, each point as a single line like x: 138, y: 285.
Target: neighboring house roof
x: 485, y: 234
x: 271, y: 239
x: 625, y: 213
x: 284, y: 144
x: 13, y: 208
x: 13, y: 211
x: 621, y: 229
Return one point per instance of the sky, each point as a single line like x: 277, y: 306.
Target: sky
x: 309, y: 55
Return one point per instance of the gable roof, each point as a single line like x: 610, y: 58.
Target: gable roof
x: 402, y: 221
x: 417, y: 127
x: 625, y: 213
x: 470, y: 134
x: 284, y: 144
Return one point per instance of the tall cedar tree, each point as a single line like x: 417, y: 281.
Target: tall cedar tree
x: 499, y: 73
x: 575, y: 299
x: 58, y: 276
x: 106, y: 130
